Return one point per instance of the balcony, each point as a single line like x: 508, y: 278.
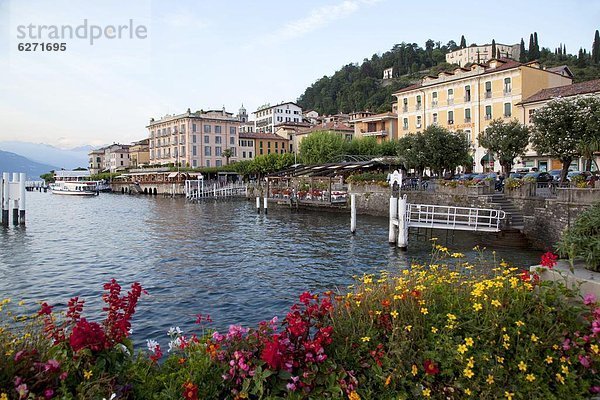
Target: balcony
x: 434, y: 104
x: 418, y: 107
x: 507, y: 115
x: 467, y: 98
x: 418, y: 125
x: 450, y: 102
x: 450, y: 122
x: 376, y: 133
x: 488, y: 95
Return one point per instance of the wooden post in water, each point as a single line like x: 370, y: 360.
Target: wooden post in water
x: 15, y: 213
x: 258, y: 204
x: 402, y: 226
x: 22, y: 199
x: 5, y: 197
x: 265, y: 203
x: 353, y: 213
x: 393, y: 216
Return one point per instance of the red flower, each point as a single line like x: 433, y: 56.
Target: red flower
x: 45, y: 309
x: 190, y: 391
x: 271, y: 353
x: 431, y: 368
x: 88, y: 335
x: 549, y: 259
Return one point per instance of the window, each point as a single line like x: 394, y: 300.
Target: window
x: 249, y: 154
x: 243, y: 154
x: 450, y: 96
x: 206, y: 128
x: 218, y: 151
x: 232, y: 130
x: 218, y: 139
x: 435, y: 118
x: 531, y: 112
x: 183, y: 150
x: 207, y: 151
x: 468, y: 93
x: 467, y: 115
x: 488, y: 112
x: 418, y: 121
x: 182, y: 128
x: 507, y: 110
x: 418, y: 106
x: 193, y: 127
x: 405, y: 104
x: 206, y: 139
x: 194, y: 151
x: 434, y: 99
x: 507, y: 86
x: 488, y: 90
x: 260, y: 144
x: 232, y: 140
x: 261, y: 151
x: 208, y: 163
x: 405, y: 123
x: 194, y: 163
x: 268, y: 145
x: 450, y: 117
x: 218, y: 163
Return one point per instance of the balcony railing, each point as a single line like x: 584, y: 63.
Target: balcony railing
x: 488, y: 95
x: 450, y: 121
x: 418, y: 107
x: 467, y: 98
x: 507, y: 115
x: 376, y: 133
x: 450, y: 102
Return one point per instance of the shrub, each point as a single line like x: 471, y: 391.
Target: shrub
x: 512, y: 183
x: 582, y: 240
x: 368, y: 177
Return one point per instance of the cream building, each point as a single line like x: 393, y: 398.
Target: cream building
x: 482, y: 54
x: 139, y: 153
x: 469, y: 99
x: 267, y: 116
x: 383, y: 127
x: 197, y: 139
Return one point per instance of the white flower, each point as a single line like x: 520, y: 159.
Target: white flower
x: 174, y: 330
x: 152, y: 345
x: 112, y: 396
x: 174, y: 344
x: 124, y: 349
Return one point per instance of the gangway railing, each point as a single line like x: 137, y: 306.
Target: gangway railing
x: 454, y: 218
x: 196, y: 189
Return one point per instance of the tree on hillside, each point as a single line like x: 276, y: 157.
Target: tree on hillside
x: 321, y: 147
x: 494, y: 48
x: 506, y: 141
x: 558, y: 131
x: 596, y: 49
x: 463, y: 42
x: 522, y: 52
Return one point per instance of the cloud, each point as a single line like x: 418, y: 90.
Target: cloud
x: 317, y: 18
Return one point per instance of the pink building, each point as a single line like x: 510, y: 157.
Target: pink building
x: 195, y: 139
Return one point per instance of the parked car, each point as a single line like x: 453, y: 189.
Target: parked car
x: 539, y: 176
x: 463, y: 177
x: 555, y: 174
x: 488, y: 175
x: 516, y: 175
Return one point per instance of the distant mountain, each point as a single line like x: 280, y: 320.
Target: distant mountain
x: 50, y: 155
x: 11, y: 162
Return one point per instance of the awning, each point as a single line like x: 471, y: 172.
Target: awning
x: 488, y: 158
x: 172, y: 175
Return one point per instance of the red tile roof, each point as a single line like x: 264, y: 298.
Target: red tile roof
x: 328, y: 126
x: 565, y: 91
x: 266, y: 136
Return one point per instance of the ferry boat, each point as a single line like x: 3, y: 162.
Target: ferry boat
x: 75, y: 188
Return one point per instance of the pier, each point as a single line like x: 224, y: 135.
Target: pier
x: 13, y: 193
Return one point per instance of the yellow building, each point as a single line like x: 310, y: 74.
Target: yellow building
x: 266, y: 143
x: 468, y: 99
x: 139, y: 153
x: 383, y: 127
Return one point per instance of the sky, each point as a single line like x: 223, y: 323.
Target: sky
x: 214, y: 54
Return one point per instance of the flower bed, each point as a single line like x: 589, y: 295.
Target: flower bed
x: 440, y: 331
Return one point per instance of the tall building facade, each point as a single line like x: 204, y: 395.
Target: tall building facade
x: 483, y: 53
x: 469, y: 99
x: 267, y: 116
x: 195, y: 139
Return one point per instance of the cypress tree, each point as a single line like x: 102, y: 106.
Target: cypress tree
x: 522, y: 52
x: 564, y: 50
x: 596, y: 48
x: 531, y: 50
x: 493, y: 48
x: 463, y: 42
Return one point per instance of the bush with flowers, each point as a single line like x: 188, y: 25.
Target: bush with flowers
x: 444, y: 330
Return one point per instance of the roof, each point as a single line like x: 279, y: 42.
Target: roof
x: 72, y: 174
x: 276, y: 105
x: 562, y: 70
x: 574, y: 89
x: 377, y: 117
x: 327, y: 126
x: 293, y: 124
x: 259, y: 135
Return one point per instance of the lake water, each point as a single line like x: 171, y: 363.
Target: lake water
x: 215, y: 257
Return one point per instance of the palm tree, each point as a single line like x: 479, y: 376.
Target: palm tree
x: 227, y: 153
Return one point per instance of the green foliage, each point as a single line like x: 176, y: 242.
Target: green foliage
x: 368, y: 177
x: 264, y: 164
x: 48, y: 177
x: 582, y: 240
x: 512, y: 183
x: 413, y: 148
x: 107, y: 176
x: 506, y: 140
x: 321, y: 147
x: 446, y: 150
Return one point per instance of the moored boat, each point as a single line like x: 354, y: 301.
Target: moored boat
x: 75, y: 188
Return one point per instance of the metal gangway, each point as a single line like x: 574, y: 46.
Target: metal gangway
x: 196, y: 189
x: 453, y: 218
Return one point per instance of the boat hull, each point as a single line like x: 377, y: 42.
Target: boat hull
x: 74, y: 193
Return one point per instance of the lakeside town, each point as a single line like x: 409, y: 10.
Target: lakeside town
x: 499, y: 147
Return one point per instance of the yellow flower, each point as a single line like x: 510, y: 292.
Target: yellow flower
x: 468, y: 392
x: 564, y: 369
x: 468, y: 373
x: 560, y: 378
x: 426, y: 393
x: 496, y: 303
x: 508, y: 395
x: 365, y: 339
x: 594, y: 348
x: 3, y: 396
x: 424, y: 311
x: 490, y: 380
x: 555, y: 346
x: 408, y: 328
x: 503, y: 264
x: 87, y: 374
x: 388, y: 380
x: 358, y: 303
x: 394, y: 314
x: 451, y: 317
x: 519, y: 323
x: 434, y: 329
x: 462, y: 349
x: 505, y: 337
x: 471, y: 362
x: 500, y: 359
x: 530, y: 377
x: 522, y: 366
x: 534, y: 338
x: 353, y: 396
x: 378, y: 312
x: 469, y: 341
x: 549, y: 360
x: 477, y: 306
x: 414, y: 370
x: 457, y: 255
x: 368, y: 279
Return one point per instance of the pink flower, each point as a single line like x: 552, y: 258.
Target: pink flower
x: 566, y: 344
x: 48, y: 393
x: 52, y: 366
x: 589, y: 298
x: 22, y: 391
x: 585, y: 361
x: 63, y: 376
